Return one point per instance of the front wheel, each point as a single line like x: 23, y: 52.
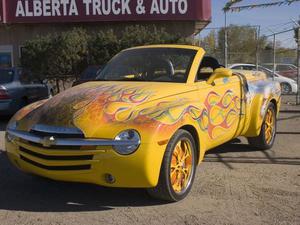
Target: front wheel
x: 285, y: 88
x: 267, y: 135
x: 178, y: 168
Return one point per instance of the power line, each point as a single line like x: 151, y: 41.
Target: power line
x: 277, y: 26
x: 280, y: 32
x: 229, y: 6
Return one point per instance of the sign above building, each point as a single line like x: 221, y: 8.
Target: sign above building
x: 52, y: 11
x: 1, y: 12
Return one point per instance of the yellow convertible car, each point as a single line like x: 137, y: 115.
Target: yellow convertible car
x: 146, y: 123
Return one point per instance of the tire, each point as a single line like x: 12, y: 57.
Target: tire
x: 267, y: 135
x: 51, y: 93
x: 285, y: 88
x: 166, y: 188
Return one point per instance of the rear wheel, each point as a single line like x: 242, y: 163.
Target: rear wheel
x: 51, y: 94
x: 178, y: 168
x: 267, y: 135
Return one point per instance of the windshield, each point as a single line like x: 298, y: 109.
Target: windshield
x: 90, y: 73
x: 6, y: 76
x: 150, y: 64
x: 268, y: 72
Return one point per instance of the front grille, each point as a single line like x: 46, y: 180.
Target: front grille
x: 60, y: 135
x: 57, y: 168
x: 63, y: 160
x: 57, y: 132
x: 55, y: 147
x: 60, y: 132
x: 56, y: 157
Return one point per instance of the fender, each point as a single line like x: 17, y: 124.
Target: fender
x: 260, y: 95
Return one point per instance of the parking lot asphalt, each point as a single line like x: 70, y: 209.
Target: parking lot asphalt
x: 236, y: 184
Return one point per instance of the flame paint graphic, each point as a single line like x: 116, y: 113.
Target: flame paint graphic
x: 220, y: 113
x: 113, y: 104
x: 217, y: 115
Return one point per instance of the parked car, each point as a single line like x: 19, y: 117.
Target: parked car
x: 286, y: 70
x: 146, y: 123
x: 288, y: 86
x: 89, y: 74
x: 18, y: 89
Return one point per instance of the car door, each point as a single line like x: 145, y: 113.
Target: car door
x: 42, y: 89
x: 222, y: 106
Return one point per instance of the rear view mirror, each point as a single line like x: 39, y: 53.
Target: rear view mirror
x: 219, y: 73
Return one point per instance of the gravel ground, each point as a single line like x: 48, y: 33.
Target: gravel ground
x: 235, y: 185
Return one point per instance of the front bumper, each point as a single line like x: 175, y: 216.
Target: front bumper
x: 294, y: 88
x: 87, y: 163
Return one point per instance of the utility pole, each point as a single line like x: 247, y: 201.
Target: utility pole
x: 298, y: 64
x: 274, y: 50
x: 257, y: 45
x: 225, y: 42
x: 274, y: 55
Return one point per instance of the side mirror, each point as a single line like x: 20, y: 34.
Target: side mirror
x: 219, y: 73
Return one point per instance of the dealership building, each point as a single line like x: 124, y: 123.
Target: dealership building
x: 22, y: 20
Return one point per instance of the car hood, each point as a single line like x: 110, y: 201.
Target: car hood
x: 8, y: 85
x: 98, y: 104
x: 282, y: 78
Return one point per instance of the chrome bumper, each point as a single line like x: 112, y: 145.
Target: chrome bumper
x: 50, y: 141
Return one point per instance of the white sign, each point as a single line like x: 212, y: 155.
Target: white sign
x: 56, y: 8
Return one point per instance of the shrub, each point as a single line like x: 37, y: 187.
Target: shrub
x: 61, y: 56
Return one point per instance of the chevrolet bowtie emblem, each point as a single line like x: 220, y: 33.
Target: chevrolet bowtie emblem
x: 48, y: 141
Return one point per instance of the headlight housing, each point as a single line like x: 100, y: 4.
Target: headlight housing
x: 129, y: 142
x: 12, y: 125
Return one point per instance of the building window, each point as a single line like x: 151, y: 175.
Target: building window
x: 5, y: 59
x: 6, y: 56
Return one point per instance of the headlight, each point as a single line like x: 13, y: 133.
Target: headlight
x: 129, y: 142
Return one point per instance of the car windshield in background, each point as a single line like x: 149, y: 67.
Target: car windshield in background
x: 90, y: 73
x: 6, y: 76
x: 150, y: 64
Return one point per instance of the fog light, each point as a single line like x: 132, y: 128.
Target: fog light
x: 110, y: 178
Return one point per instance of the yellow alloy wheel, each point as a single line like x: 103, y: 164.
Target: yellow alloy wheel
x: 269, y: 126
x: 181, y: 166
x: 267, y: 135
x: 177, y: 171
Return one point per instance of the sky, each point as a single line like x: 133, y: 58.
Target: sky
x: 271, y: 19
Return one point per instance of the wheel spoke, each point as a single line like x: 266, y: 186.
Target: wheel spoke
x: 269, y: 126
x: 179, y: 151
x: 186, y: 172
x: 178, y: 182
x: 187, y: 153
x: 173, y: 176
x: 173, y: 160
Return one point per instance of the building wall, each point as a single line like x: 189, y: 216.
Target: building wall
x: 13, y: 37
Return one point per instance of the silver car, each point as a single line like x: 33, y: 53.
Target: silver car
x: 288, y: 86
x: 18, y: 89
